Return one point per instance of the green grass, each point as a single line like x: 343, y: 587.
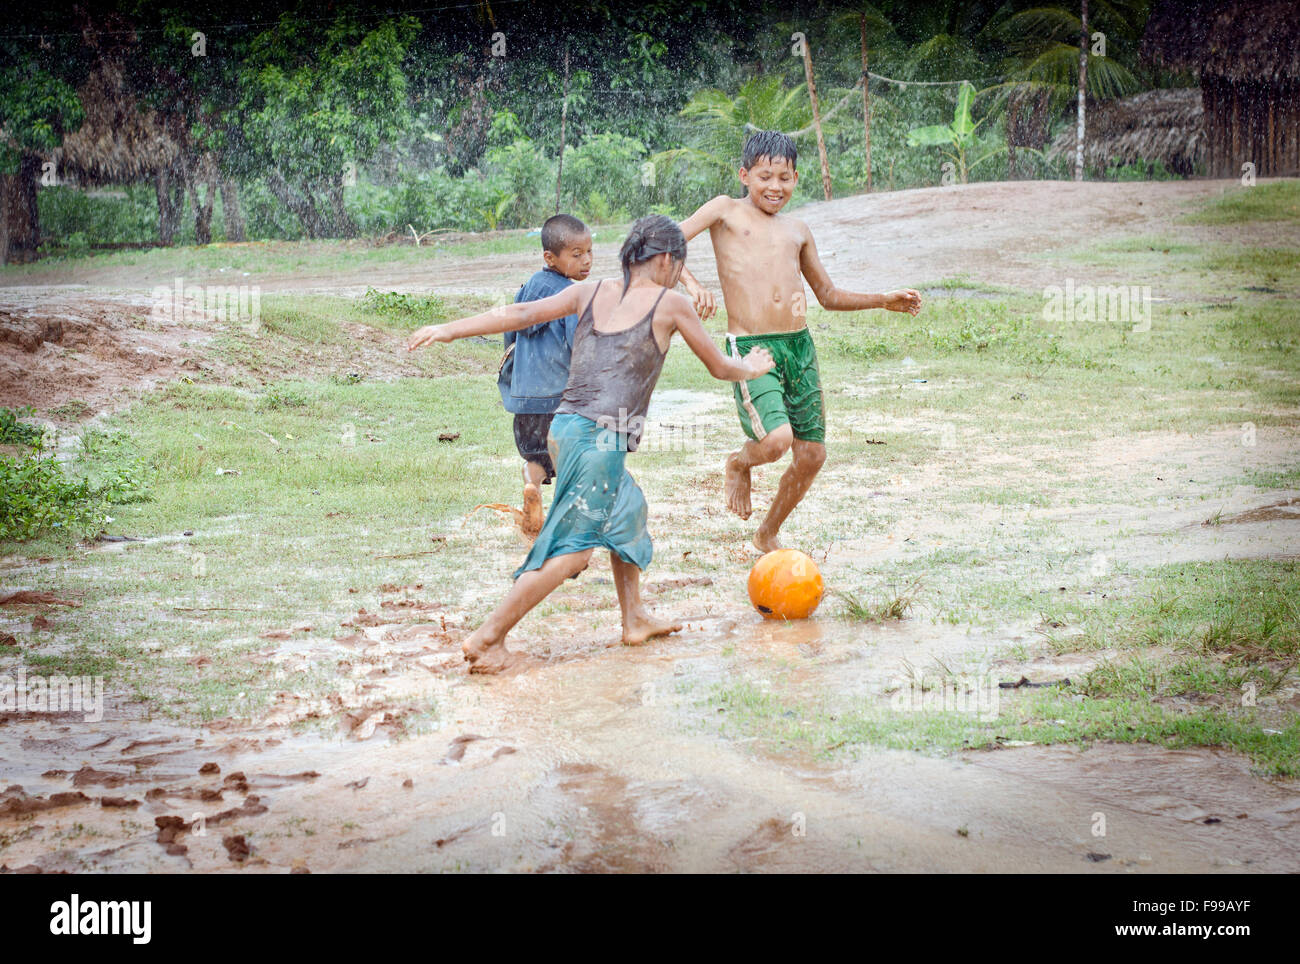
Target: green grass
x: 331, y: 475
x: 222, y: 262
x: 1275, y: 201
x: 208, y: 262
x: 1288, y: 478
x: 315, y: 337
x: 1187, y: 271
x: 886, y: 605
x: 964, y: 282
x: 1203, y: 650
x: 339, y: 471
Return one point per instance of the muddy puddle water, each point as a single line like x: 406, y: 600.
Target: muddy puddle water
x: 600, y: 758
x: 604, y: 759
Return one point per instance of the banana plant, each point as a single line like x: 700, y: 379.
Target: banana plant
x: 493, y: 214
x: 959, y: 135
x: 720, y: 123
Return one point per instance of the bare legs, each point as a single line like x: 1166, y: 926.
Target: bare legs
x: 486, y: 646
x: 485, y: 649
x: 638, y: 624
x: 807, y: 460
x: 534, y: 515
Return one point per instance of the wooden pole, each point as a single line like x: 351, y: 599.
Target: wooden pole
x: 1083, y: 75
x: 866, y: 97
x: 564, y: 118
x: 1013, y: 109
x: 817, y: 121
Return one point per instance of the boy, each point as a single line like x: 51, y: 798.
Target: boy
x: 760, y: 255
x: 535, y: 368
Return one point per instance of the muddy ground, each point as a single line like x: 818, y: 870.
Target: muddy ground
x: 97, y: 339
x: 601, y: 758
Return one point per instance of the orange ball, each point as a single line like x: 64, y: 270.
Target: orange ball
x: 785, y: 584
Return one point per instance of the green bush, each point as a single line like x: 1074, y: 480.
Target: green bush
x: 1141, y: 170
x: 76, y: 219
x: 374, y: 209
x: 434, y: 199
x: 37, y: 494
x: 398, y: 303
x: 265, y: 217
x: 527, y: 178
x: 602, y: 179
x: 14, y: 432
x: 278, y: 398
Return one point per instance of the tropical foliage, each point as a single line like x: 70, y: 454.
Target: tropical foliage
x: 361, y: 121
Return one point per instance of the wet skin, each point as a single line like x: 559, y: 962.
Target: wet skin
x: 613, y: 309
x: 485, y: 648
x: 763, y: 259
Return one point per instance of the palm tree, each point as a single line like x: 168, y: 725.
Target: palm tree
x: 723, y: 122
x: 1051, y: 55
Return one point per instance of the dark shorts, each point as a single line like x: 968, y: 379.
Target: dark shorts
x: 530, y: 441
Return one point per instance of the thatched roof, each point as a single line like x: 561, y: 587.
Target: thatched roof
x: 118, y: 143
x: 1239, y: 40
x: 1164, y: 125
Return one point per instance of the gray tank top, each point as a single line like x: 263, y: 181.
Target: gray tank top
x: 613, y: 373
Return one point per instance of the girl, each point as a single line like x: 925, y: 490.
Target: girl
x: 618, y: 353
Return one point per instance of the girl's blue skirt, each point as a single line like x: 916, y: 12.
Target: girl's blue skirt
x: 597, y: 504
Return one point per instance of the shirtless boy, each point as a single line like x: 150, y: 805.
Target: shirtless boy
x: 761, y: 255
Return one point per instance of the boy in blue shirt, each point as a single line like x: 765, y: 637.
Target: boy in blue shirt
x: 535, y: 368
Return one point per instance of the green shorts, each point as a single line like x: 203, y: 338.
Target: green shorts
x: 790, y: 394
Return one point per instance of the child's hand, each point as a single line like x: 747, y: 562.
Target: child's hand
x: 905, y: 299
x: 705, y: 306
x: 426, y: 335
x: 759, y: 362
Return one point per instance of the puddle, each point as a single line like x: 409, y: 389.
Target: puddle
x: 1288, y: 510
x: 598, y: 761
x: 672, y: 403
x: 1212, y: 810
x: 600, y: 758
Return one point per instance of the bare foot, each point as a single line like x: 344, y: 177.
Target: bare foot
x: 640, y: 628
x: 509, y: 664
x: 737, y: 490
x: 487, y: 653
x: 766, y: 543
x: 530, y: 523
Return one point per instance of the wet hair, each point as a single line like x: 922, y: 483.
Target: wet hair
x: 651, y: 235
x: 559, y: 231
x: 769, y: 144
